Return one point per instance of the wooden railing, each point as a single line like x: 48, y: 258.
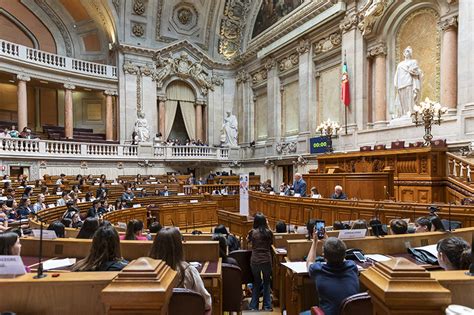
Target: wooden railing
x: 460, y: 178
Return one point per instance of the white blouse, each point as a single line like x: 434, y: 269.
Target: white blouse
x: 192, y: 281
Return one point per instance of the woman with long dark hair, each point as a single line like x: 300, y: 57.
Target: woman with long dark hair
x: 454, y: 253
x: 105, y: 252
x: 10, y: 244
x: 88, y: 228
x: 261, y: 238
x: 168, y: 247
x: 134, y: 231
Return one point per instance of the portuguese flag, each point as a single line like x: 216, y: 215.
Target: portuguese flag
x: 345, y: 89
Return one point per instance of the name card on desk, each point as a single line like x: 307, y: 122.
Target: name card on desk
x: 11, y: 266
x: 137, y: 205
x: 282, y: 194
x: 193, y: 201
x: 349, y: 234
x: 47, y: 234
x: 297, y: 195
x: 181, y: 194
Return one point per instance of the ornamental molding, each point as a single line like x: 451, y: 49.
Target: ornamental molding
x: 111, y: 92
x: 69, y: 86
x: 286, y: 147
x: 349, y: 22
x: 269, y: 63
x: 242, y: 76
x: 329, y: 43
x: 298, y: 17
x: 289, y: 62
x: 59, y: 24
x: 448, y: 24
x: 379, y: 49
x: 232, y: 26
x: 259, y: 76
x: 138, y: 29
x: 182, y: 66
x: 371, y: 12
x: 23, y: 77
x: 303, y: 46
x: 139, y: 7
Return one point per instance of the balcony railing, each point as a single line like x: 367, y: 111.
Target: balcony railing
x: 43, y: 58
x: 47, y: 148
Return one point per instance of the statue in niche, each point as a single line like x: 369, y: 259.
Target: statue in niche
x: 230, y: 130
x: 141, y: 131
x: 407, y: 83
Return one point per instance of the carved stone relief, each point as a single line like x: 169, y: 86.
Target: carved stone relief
x: 326, y: 44
x: 288, y: 62
x: 185, y: 17
x: 184, y: 67
x: 259, y: 76
x: 370, y: 13
x: 232, y: 25
x: 138, y: 30
x: 139, y: 7
x: 286, y: 147
x: 303, y: 46
x: 242, y: 76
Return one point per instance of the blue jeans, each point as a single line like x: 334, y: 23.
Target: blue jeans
x: 261, y: 271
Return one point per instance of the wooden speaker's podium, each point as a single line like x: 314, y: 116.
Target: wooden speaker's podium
x: 399, y: 286
x: 143, y: 287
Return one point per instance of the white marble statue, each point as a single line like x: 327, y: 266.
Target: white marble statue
x: 407, y: 82
x: 230, y: 130
x: 141, y: 130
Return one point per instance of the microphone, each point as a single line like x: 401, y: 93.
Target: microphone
x: 387, y: 194
x: 40, y: 273
x: 449, y: 218
x: 289, y: 221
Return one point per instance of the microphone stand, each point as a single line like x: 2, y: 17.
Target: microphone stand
x: 40, y: 274
x: 449, y: 216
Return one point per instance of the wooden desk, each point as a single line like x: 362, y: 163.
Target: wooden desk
x: 298, y: 211
x: 460, y: 285
x: 187, y: 215
x: 238, y: 224
x: 299, y: 289
x: 418, y: 173
x: 79, y: 248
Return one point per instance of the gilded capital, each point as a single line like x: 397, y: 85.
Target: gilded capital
x: 448, y: 24
x: 23, y: 77
x: 69, y: 86
x: 379, y: 49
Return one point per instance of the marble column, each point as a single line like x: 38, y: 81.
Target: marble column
x: 162, y: 115
x: 466, y: 56
x: 68, y: 111
x: 109, y: 115
x: 204, y: 124
x: 274, y: 101
x: 22, y: 101
x: 198, y: 111
x: 379, y: 52
x: 306, y: 85
x: 449, y: 62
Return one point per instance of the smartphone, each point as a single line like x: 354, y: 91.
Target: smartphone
x: 360, y: 257
x: 319, y: 228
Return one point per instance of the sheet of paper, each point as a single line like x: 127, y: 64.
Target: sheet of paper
x: 432, y: 249
x: 58, y: 263
x: 11, y: 265
x: 297, y: 266
x: 377, y: 257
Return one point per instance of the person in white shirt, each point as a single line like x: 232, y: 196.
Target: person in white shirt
x: 39, y: 205
x: 315, y: 193
x: 60, y: 179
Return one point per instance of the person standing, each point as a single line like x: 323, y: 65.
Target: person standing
x: 261, y: 238
x: 299, y: 185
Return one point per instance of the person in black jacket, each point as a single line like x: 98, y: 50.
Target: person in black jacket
x: 101, y: 192
x: 94, y: 210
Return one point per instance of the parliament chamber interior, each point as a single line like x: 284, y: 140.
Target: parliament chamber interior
x: 190, y: 157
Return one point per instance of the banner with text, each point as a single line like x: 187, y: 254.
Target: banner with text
x: 244, y: 194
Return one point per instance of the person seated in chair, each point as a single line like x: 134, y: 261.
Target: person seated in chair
x: 165, y: 192
x: 338, y: 193
x: 104, y: 254
x: 128, y: 195
x: 454, y: 253
x: 398, y: 226
x: 336, y: 279
x: 94, y: 210
x: 422, y: 225
x: 223, y: 249
x: 280, y: 227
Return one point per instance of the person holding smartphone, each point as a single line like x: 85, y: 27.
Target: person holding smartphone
x: 335, y: 278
